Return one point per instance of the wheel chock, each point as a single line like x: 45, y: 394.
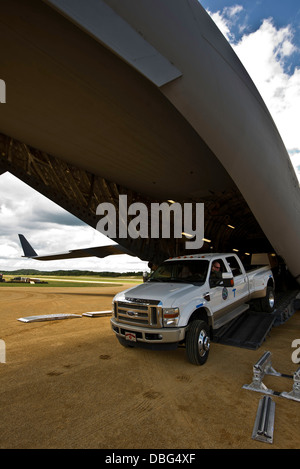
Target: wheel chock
x: 264, y: 367
x: 261, y: 368
x: 295, y: 393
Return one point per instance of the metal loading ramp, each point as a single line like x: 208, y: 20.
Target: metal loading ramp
x: 251, y: 328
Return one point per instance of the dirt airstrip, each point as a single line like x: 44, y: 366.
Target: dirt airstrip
x: 69, y: 384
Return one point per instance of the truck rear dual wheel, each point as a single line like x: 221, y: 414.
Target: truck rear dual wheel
x: 266, y: 304
x: 197, y: 342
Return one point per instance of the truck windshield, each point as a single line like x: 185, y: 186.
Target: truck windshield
x: 187, y: 271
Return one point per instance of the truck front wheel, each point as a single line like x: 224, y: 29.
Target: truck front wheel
x: 197, y: 342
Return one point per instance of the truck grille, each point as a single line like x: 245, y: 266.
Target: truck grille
x: 140, y: 312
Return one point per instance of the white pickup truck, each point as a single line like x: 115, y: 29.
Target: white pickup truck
x: 186, y: 299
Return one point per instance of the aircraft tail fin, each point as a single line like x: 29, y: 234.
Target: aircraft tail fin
x: 98, y: 251
x: 27, y: 248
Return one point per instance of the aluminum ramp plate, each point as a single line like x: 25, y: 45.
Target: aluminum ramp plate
x: 97, y: 314
x: 49, y: 317
x: 247, y: 331
x: 287, y: 303
x: 264, y: 422
x: 251, y: 328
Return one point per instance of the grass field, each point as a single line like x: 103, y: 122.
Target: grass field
x: 65, y: 281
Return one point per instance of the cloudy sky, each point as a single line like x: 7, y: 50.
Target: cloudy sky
x: 265, y: 34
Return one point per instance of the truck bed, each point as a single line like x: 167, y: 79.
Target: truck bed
x: 259, y: 268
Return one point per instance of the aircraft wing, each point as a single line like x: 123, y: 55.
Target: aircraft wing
x: 98, y: 251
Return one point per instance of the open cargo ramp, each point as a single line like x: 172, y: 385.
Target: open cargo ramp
x: 251, y: 328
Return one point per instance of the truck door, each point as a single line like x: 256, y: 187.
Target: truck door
x: 219, y: 298
x: 240, y: 290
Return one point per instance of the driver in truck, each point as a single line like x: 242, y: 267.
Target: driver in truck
x: 216, y: 271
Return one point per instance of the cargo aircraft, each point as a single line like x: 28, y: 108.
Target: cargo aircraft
x: 144, y: 98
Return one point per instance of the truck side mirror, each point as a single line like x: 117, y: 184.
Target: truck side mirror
x: 228, y: 280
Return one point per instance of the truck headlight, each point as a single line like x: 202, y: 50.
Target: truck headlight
x: 170, y: 317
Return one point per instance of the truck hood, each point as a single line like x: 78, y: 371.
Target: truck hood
x: 169, y: 294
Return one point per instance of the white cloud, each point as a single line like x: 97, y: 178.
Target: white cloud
x: 233, y: 10
x: 226, y: 19
x: 265, y: 53
x: 222, y: 23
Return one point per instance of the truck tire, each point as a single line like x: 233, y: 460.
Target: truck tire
x: 197, y: 342
x: 268, y: 302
